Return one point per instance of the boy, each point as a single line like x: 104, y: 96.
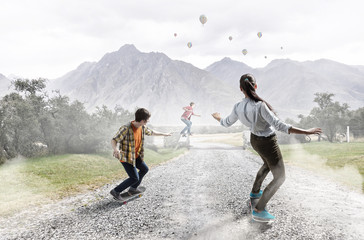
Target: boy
x: 130, y: 138
x: 186, y: 119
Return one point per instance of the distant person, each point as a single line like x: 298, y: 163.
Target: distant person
x: 186, y: 118
x: 130, y: 139
x: 258, y: 115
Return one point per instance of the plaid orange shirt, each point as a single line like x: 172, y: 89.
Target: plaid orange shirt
x: 125, y: 138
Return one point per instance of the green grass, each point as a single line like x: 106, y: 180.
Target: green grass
x: 66, y: 174
x: 337, y: 154
x: 26, y: 182
x: 342, y: 161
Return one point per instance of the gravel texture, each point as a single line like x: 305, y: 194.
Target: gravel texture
x: 200, y: 195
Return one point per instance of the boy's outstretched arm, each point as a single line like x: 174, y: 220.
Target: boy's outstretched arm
x: 155, y: 133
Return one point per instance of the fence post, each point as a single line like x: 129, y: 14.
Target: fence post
x: 347, y: 134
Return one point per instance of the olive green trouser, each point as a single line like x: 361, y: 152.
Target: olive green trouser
x: 268, y: 149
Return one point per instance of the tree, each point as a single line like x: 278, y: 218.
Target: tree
x: 20, y: 124
x: 29, y: 118
x: 106, y: 123
x: 29, y: 86
x: 330, y: 116
x: 356, y: 122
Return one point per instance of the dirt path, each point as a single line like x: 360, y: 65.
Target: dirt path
x: 200, y: 195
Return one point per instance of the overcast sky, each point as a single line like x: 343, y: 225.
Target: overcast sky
x: 48, y: 38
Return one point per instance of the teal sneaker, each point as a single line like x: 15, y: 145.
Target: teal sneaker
x: 263, y: 216
x: 256, y: 195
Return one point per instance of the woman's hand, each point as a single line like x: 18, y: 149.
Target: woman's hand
x: 314, y: 131
x: 216, y: 115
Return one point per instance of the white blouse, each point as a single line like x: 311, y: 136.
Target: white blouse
x: 256, y: 116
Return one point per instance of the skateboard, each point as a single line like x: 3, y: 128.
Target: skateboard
x: 183, y: 138
x: 127, y: 197
x: 183, y: 141
x: 252, y: 202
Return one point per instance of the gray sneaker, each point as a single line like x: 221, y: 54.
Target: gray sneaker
x: 116, y: 195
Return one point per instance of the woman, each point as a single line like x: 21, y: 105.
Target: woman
x: 259, y: 116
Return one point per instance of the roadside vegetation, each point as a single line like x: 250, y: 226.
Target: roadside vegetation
x: 30, y: 182
x: 344, y: 162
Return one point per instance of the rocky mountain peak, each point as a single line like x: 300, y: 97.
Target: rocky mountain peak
x: 128, y: 49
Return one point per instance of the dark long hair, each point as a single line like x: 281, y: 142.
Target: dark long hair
x: 247, y: 83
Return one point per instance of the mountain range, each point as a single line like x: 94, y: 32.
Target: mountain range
x: 289, y: 86
x: 130, y: 78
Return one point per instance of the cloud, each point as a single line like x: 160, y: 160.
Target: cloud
x: 51, y: 38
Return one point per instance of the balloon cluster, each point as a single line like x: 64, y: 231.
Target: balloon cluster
x: 245, y: 52
x: 203, y: 20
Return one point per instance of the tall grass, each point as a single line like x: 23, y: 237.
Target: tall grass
x: 27, y: 182
x: 342, y: 161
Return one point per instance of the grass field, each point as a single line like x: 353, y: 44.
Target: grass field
x: 337, y: 154
x: 342, y: 161
x: 27, y: 182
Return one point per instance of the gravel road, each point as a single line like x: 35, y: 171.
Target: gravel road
x: 200, y: 195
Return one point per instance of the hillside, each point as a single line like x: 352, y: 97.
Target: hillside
x: 131, y: 79
x: 290, y: 85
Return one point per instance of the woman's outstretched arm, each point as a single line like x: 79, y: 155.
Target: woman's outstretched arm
x: 305, y: 131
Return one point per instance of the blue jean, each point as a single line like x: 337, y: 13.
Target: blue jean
x: 135, y: 178
x: 188, y: 126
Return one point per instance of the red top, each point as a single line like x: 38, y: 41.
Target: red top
x: 187, y: 114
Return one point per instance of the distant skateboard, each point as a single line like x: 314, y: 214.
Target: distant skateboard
x: 183, y: 141
x: 127, y: 197
x: 183, y: 138
x: 252, y: 203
